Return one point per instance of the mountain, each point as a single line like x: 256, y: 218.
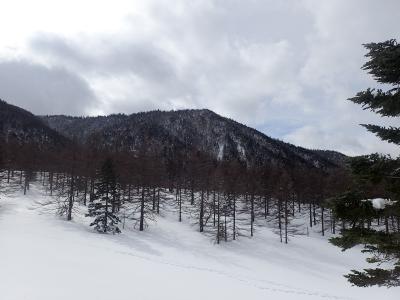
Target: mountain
x: 22, y: 127
x: 333, y: 156
x: 198, y: 130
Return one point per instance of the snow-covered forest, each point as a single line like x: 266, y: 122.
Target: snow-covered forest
x: 95, y: 210
x: 45, y: 256
x: 199, y: 150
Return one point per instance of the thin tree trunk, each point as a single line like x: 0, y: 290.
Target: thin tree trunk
x: 201, y: 210
x: 252, y: 215
x: 286, y: 221
x: 154, y: 199
x: 218, y: 218
x: 386, y: 225
x: 314, y: 214
x: 234, y: 217
x: 265, y: 207
x: 51, y: 183
x: 158, y: 201
x: 280, y: 218
x: 225, y: 230
x: 214, y: 208
x: 322, y: 221
x: 178, y: 195
x: 86, y: 190
x: 106, y: 213
x: 141, y: 222
x: 71, y: 198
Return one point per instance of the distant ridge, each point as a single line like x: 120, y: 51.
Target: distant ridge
x: 182, y: 130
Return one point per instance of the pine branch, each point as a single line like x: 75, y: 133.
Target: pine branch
x: 389, y: 134
x: 384, y: 61
x: 386, y: 104
x: 371, y: 277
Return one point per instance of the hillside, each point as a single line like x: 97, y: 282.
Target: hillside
x: 54, y: 259
x: 163, y: 133
x: 188, y: 130
x: 22, y: 127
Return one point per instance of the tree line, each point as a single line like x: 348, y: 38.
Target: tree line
x: 224, y: 199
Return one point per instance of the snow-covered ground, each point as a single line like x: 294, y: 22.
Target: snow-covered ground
x: 45, y: 258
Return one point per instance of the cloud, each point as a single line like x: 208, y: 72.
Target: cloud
x: 44, y: 90
x: 120, y: 56
x: 283, y: 67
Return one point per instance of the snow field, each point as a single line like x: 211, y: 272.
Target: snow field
x: 45, y: 258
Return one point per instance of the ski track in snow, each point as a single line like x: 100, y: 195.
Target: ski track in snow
x: 285, y: 288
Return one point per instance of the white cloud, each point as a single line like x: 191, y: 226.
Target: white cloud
x: 282, y: 66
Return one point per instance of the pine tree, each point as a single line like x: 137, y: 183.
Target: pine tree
x: 104, y: 199
x: 375, y: 176
x: 384, y: 66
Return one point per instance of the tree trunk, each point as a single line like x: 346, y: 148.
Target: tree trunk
x: 192, y: 195
x: 71, y: 199
x: 234, y: 217
x: 154, y: 199
x: 141, y: 222
x: 314, y: 214
x: 106, y: 214
x: 178, y: 195
x: 225, y: 227
x: 214, y: 208
x: 158, y: 201
x: 252, y: 214
x: 280, y: 218
x: 51, y: 183
x: 286, y: 221
x: 322, y: 221
x: 218, y: 218
x: 201, y: 210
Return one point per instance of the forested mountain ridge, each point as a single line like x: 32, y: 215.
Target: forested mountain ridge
x: 22, y: 127
x: 186, y: 130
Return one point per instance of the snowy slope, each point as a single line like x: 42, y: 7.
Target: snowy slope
x: 42, y: 257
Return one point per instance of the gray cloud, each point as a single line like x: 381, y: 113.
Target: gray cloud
x: 44, y: 90
x: 283, y: 67
x: 107, y: 55
x: 57, y: 48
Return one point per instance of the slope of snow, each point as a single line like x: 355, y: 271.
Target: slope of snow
x: 44, y: 258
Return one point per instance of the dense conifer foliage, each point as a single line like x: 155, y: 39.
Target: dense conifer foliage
x: 384, y: 66
x: 372, y: 206
x: 105, y: 201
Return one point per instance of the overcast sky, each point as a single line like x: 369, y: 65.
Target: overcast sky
x: 283, y: 67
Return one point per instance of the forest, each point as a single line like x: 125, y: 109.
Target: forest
x: 224, y: 197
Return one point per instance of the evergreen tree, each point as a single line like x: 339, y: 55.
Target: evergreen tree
x: 375, y: 176
x: 384, y: 66
x: 104, y: 200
